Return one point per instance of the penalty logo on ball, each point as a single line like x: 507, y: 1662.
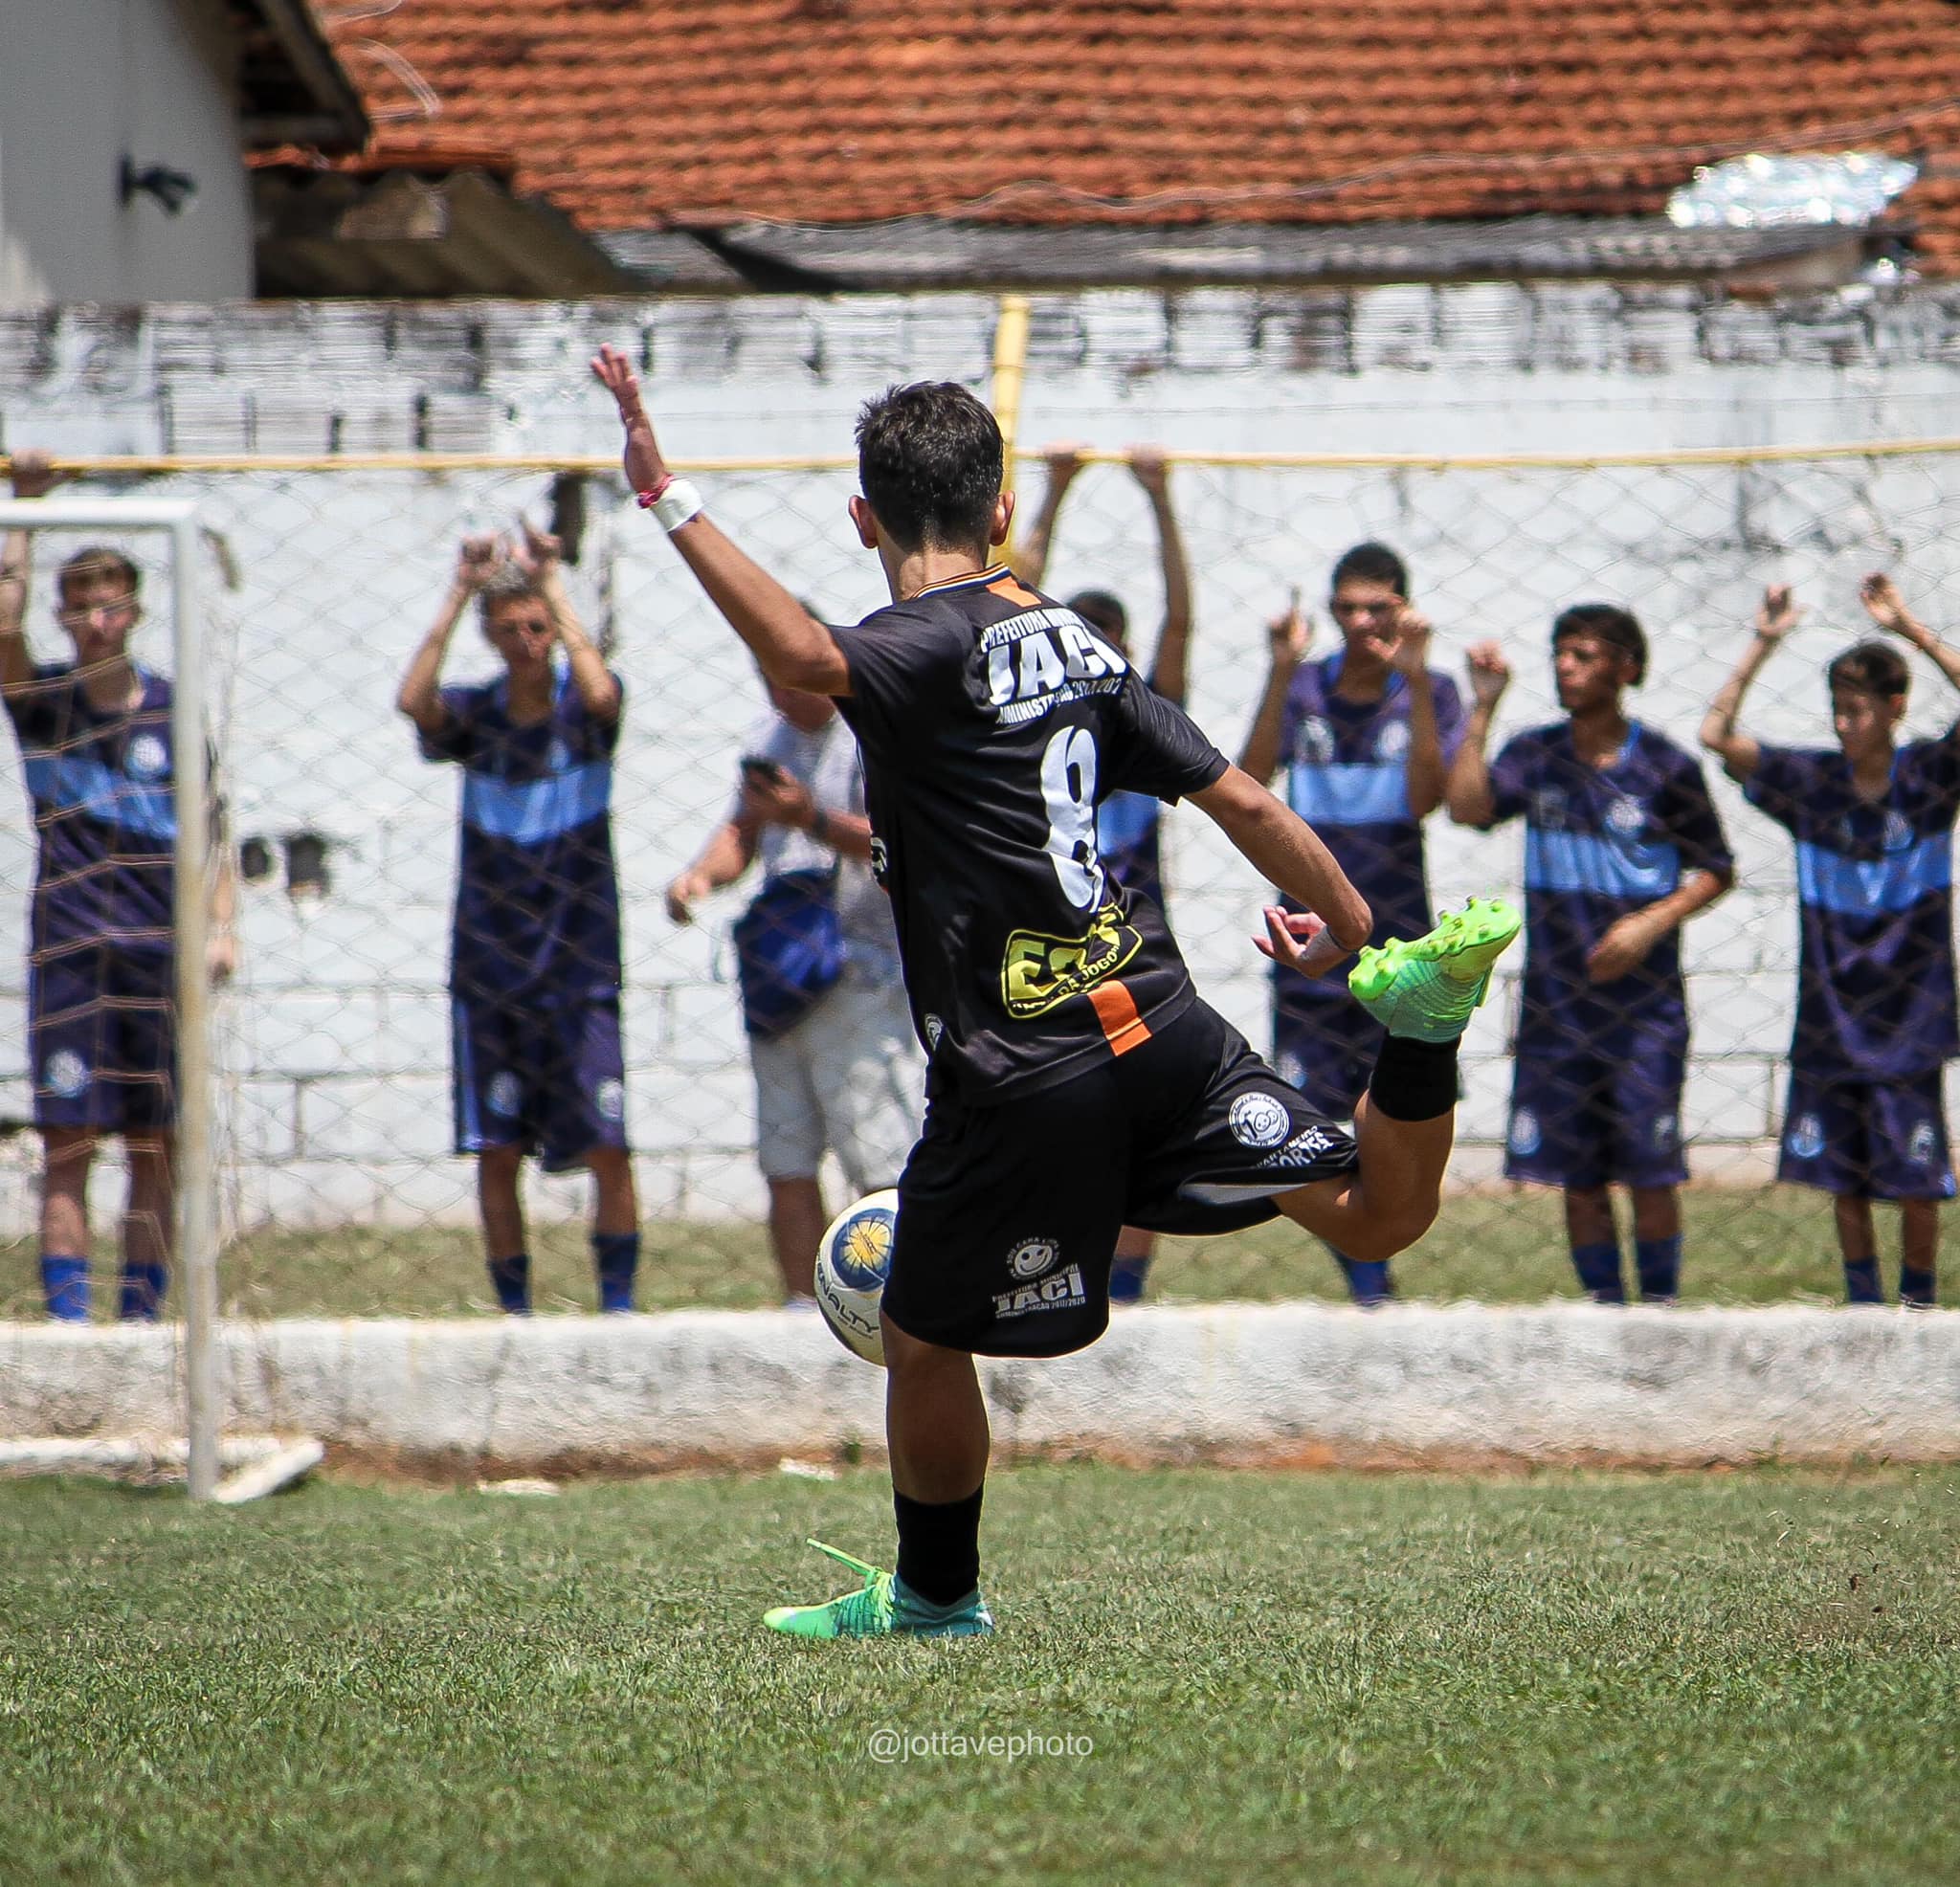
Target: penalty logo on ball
x: 853, y: 1260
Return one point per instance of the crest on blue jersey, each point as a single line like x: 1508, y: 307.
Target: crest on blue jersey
x: 1626, y: 815
x: 1548, y: 809
x: 146, y: 756
x: 1392, y: 742
x: 1317, y: 740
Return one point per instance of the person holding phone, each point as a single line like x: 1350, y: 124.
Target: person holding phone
x: 830, y: 1037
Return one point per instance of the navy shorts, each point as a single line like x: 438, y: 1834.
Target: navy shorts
x: 1327, y: 1051
x: 1009, y: 1212
x: 550, y: 1078
x: 102, y: 1039
x: 1584, y: 1116
x: 1867, y: 1140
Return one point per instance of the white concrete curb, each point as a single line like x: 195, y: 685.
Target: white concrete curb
x: 1304, y: 1384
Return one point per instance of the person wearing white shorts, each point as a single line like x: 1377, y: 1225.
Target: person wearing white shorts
x: 846, y: 1077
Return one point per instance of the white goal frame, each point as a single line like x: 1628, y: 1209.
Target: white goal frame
x: 196, y: 1213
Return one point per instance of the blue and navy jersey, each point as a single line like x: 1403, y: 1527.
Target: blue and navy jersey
x: 1874, y: 881
x: 1601, y: 842
x: 1346, y: 774
x: 1128, y: 835
x: 537, y: 902
x: 101, y: 783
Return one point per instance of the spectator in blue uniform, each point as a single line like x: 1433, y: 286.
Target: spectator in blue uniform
x: 1621, y: 846
x: 1128, y: 835
x: 1362, y: 737
x: 535, y: 958
x: 1873, y: 823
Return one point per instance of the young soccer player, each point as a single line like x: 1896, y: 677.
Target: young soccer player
x: 1365, y: 737
x: 1074, y: 1082
x: 1873, y: 823
x: 1128, y: 829
x: 534, y: 966
x: 1621, y: 846
x: 95, y: 735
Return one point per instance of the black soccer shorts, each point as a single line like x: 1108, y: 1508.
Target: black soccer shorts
x: 1009, y: 1213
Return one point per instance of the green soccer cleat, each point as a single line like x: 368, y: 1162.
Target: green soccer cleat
x: 880, y: 1609
x: 1428, y: 989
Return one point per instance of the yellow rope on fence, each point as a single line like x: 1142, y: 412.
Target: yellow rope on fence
x: 161, y: 465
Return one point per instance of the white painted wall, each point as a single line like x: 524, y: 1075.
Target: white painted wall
x: 82, y: 82
x: 336, y: 1042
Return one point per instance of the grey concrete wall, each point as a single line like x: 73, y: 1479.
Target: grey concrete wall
x: 335, y: 1041
x: 82, y: 83
x: 1279, y: 1385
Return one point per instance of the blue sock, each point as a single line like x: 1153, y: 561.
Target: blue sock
x: 1598, y: 1269
x: 64, y: 1284
x: 1126, y: 1277
x: 511, y: 1278
x: 143, y: 1293
x: 1861, y: 1281
x: 1657, y: 1261
x: 1368, y: 1278
x: 616, y: 1254
x: 1919, y: 1288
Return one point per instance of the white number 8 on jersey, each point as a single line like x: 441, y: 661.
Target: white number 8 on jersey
x: 1068, y: 787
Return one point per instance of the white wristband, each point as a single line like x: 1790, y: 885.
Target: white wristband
x: 676, y: 505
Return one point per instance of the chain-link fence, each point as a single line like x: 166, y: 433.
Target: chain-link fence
x: 337, y: 1041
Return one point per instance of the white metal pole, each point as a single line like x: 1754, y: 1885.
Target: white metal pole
x: 197, y: 1257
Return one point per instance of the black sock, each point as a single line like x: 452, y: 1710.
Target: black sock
x: 1413, y: 1080
x: 939, y: 1545
x: 1918, y: 1287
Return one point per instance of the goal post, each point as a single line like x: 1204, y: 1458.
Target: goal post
x: 195, y: 1194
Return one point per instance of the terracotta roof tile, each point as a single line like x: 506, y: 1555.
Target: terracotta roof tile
x: 633, y: 115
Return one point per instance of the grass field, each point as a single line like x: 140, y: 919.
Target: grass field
x: 1763, y: 1245
x: 1390, y: 1680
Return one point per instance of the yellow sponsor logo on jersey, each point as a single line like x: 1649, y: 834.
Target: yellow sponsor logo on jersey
x: 1038, y: 970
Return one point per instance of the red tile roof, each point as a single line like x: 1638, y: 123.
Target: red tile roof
x: 643, y: 114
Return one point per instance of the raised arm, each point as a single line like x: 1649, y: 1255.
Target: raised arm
x: 1031, y: 557
x: 1776, y: 615
x: 1287, y: 638
x: 1887, y: 608
x: 1471, y: 801
x: 31, y: 477
x: 1169, y: 667
x: 596, y: 688
x: 1284, y: 849
x: 792, y: 648
x: 1411, y: 661
x: 420, y: 695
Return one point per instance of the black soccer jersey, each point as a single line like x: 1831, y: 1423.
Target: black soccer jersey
x: 993, y: 722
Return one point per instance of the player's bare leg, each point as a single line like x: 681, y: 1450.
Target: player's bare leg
x: 936, y: 1429
x: 66, y: 1156
x: 796, y: 1222
x: 148, y: 1223
x: 615, y: 1225
x: 1424, y: 991
x: 1919, y: 1251
x: 1858, y: 1244
x: 1593, y: 1239
x: 1656, y: 1242
x: 502, y: 1213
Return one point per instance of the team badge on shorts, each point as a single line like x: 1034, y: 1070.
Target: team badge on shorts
x: 1257, y: 1120
x: 1923, y: 1146
x: 609, y: 1098
x: 1032, y: 1256
x: 1526, y: 1136
x: 66, y: 1075
x: 1807, y: 1137
x: 504, y: 1094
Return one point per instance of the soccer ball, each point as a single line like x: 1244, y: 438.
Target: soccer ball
x: 852, y: 1261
